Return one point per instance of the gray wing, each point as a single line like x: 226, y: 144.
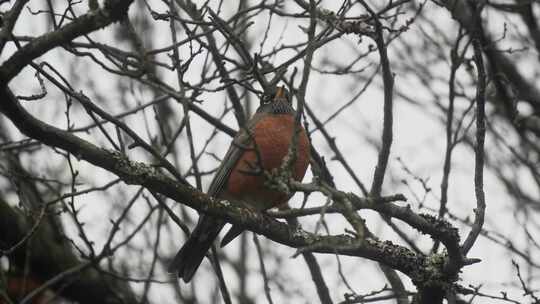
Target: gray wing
x: 222, y: 175
x: 242, y: 139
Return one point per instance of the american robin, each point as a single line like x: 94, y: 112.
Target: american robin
x: 260, y: 146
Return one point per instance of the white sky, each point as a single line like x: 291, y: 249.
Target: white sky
x: 418, y: 140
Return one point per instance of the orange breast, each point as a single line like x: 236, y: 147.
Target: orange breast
x: 273, y: 135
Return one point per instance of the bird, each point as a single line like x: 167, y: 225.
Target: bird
x: 259, y: 146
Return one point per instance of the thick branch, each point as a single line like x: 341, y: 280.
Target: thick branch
x: 392, y: 255
x: 480, y: 210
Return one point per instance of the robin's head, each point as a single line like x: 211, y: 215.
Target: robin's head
x: 277, y: 103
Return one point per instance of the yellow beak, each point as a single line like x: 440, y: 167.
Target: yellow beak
x: 280, y: 92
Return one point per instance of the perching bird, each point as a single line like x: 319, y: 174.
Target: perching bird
x: 240, y: 176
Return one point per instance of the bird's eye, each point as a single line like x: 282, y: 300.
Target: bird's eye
x: 266, y: 99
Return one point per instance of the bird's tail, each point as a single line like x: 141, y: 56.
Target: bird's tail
x: 190, y: 256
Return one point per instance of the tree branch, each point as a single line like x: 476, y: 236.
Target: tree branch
x: 114, y: 10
